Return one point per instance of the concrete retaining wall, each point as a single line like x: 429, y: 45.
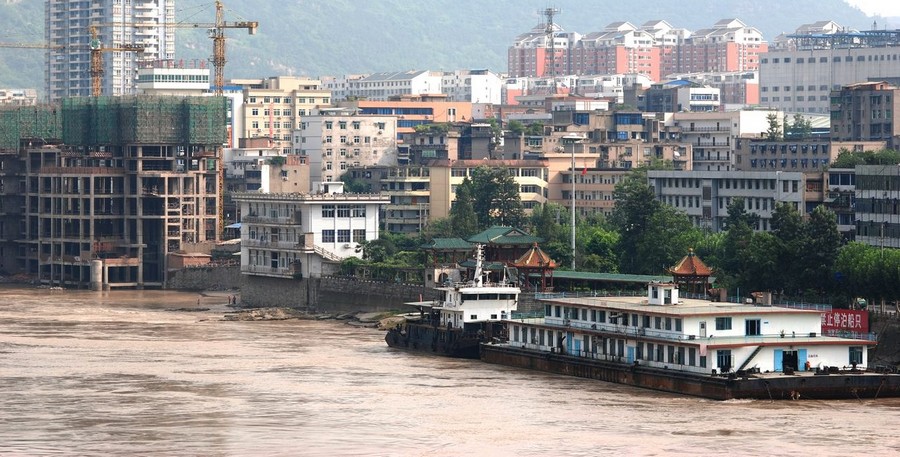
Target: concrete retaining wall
x: 205, y: 278
x: 330, y: 294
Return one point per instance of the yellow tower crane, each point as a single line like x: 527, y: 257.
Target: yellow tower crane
x: 97, y: 50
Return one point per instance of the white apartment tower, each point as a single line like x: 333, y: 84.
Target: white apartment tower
x: 119, y: 22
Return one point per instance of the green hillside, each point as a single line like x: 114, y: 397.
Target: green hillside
x: 316, y: 37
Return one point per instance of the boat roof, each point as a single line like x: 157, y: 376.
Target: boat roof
x: 686, y: 307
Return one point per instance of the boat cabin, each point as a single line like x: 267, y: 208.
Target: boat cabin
x: 663, y: 330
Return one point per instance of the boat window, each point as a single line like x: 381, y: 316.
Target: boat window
x: 658, y: 322
x: 584, y: 314
x: 601, y: 316
x: 723, y: 360
x: 634, y: 320
x: 646, y: 321
x: 723, y: 323
x: 593, y: 315
x: 856, y: 355
x: 692, y: 356
x: 702, y: 361
x: 668, y: 323
x: 473, y: 316
x: 678, y: 326
x: 650, y: 351
x: 516, y: 333
x: 548, y: 310
x: 558, y: 314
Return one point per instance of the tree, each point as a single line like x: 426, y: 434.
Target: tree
x: 635, y: 206
x: 800, y: 127
x: 773, y: 133
x: 355, y: 185
x: 498, y: 201
x: 535, y: 129
x: 819, y: 248
x: 463, y: 222
x: 738, y: 214
x: 515, y: 127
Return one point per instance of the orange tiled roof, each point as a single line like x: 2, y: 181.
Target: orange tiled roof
x: 535, y: 258
x: 691, y: 265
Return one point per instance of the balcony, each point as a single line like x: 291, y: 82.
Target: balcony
x: 284, y: 245
x: 275, y: 220
x: 260, y: 270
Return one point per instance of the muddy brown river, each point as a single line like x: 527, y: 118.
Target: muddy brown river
x: 120, y: 373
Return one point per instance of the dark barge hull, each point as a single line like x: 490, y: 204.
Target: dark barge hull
x: 768, y: 386
x: 434, y: 340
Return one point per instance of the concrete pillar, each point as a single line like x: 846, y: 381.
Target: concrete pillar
x: 96, y: 274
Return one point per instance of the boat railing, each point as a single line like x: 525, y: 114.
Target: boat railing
x: 589, y: 293
x: 853, y: 335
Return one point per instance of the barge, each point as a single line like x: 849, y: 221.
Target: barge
x: 696, y: 347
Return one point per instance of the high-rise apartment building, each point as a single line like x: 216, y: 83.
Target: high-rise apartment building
x: 655, y: 49
x: 67, y: 23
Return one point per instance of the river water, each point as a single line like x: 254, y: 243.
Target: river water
x: 116, y: 373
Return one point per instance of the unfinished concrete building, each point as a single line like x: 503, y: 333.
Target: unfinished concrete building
x: 133, y: 180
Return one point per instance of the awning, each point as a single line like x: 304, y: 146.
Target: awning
x: 236, y: 225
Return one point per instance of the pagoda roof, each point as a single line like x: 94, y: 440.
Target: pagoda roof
x: 690, y: 265
x: 500, y: 235
x: 535, y: 258
x: 449, y: 244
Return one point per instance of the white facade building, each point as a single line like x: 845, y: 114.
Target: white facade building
x: 475, y: 86
x: 305, y: 235
x: 337, y: 139
x: 173, y: 81
x: 381, y: 86
x: 67, y: 24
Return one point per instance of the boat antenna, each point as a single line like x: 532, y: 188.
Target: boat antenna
x: 479, y: 259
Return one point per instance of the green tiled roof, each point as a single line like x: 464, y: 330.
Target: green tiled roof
x: 499, y: 234
x: 607, y: 277
x: 489, y: 266
x: 450, y: 244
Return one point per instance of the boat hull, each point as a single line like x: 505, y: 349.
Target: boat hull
x: 773, y: 386
x: 434, y: 340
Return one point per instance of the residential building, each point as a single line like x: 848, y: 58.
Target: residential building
x: 840, y: 198
x: 273, y: 107
x: 737, y: 89
x: 705, y: 195
x: 729, y: 45
x: 679, y: 95
x: 339, y: 86
x: 305, y: 235
x: 413, y: 110
x: 801, y: 70
x: 866, y: 112
x: 802, y: 154
x: 336, y: 139
x: 67, y: 28
x: 18, y: 97
x: 878, y: 205
x: 656, y: 49
x: 713, y: 135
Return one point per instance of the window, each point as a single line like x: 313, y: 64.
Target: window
x: 723, y: 360
x: 327, y: 210
x: 342, y: 125
x: 752, y: 327
x: 856, y: 355
x: 329, y: 124
x: 359, y: 211
x: 255, y: 111
x: 328, y: 236
x: 343, y: 211
x: 343, y: 236
x: 359, y: 235
x: 723, y: 323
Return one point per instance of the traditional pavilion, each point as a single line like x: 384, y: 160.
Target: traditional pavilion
x: 536, y: 263
x: 691, y: 274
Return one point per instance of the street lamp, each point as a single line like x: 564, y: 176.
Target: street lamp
x: 571, y: 140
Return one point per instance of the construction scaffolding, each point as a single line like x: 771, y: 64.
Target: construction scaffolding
x: 20, y: 125
x: 97, y: 121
